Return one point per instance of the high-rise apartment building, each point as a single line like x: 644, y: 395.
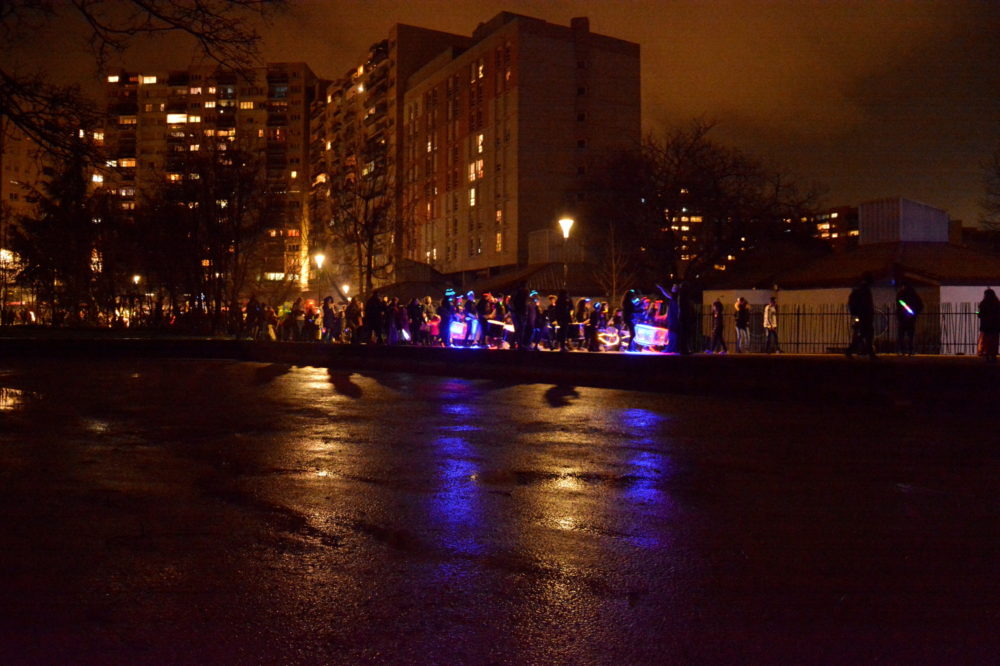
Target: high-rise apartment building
x: 357, y: 135
x: 156, y: 120
x: 489, y: 139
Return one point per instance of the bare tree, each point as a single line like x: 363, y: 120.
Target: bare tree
x: 202, y: 236
x: 50, y: 114
x: 686, y: 203
x: 364, y: 214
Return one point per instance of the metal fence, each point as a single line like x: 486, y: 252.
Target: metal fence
x: 825, y: 329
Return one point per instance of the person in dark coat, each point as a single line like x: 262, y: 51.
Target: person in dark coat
x: 415, y: 313
x: 329, y: 319
x: 908, y: 307
x: 446, y: 311
x: 861, y: 305
x: 989, y: 326
x: 718, y: 324
x: 629, y: 302
x: 374, y: 315
x: 563, y: 317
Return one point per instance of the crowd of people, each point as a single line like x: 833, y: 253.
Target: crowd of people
x: 522, y: 320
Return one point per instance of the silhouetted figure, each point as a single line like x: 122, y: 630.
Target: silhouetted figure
x: 861, y: 305
x: 629, y: 301
x: 989, y: 326
x: 742, y: 325
x: 373, y: 318
x: 563, y: 318
x: 718, y: 323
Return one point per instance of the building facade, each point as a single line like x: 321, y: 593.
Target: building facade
x: 157, y: 120
x: 487, y: 140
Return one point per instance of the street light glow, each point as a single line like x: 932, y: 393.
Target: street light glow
x: 566, y: 223
x: 346, y: 289
x: 319, y: 258
x: 135, y: 279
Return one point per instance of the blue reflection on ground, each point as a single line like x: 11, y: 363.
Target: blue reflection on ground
x: 455, y: 509
x: 646, y: 468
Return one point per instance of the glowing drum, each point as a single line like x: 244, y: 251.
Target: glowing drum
x: 650, y: 336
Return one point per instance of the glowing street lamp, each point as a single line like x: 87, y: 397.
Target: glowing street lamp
x: 565, y: 223
x: 136, y: 279
x: 346, y: 289
x: 319, y: 258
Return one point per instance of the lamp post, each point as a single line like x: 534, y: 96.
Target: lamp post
x: 346, y: 289
x: 566, y: 223
x: 135, y: 299
x: 319, y: 258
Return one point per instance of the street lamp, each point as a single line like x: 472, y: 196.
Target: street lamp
x: 346, y: 289
x: 566, y: 223
x: 136, y: 302
x: 319, y: 258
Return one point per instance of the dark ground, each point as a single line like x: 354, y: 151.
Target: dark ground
x: 158, y: 511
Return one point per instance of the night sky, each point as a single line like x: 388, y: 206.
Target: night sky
x: 871, y: 99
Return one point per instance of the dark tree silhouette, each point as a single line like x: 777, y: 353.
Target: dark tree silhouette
x: 50, y: 114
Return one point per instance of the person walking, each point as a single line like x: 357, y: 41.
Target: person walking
x: 771, y: 326
x: 989, y: 326
x: 718, y: 324
x: 908, y: 307
x: 629, y: 302
x: 742, y: 325
x: 861, y: 305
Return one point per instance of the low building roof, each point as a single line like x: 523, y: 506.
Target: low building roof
x: 927, y: 263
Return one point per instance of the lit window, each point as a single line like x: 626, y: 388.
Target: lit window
x: 127, y: 162
x: 149, y: 79
x: 295, y: 174
x: 195, y: 91
x: 274, y: 276
x: 479, y: 168
x: 260, y: 133
x: 480, y: 141
x: 499, y: 216
x: 128, y: 205
x: 206, y: 262
x: 361, y: 87
x: 210, y: 104
x: 835, y: 215
x: 194, y: 147
x: 113, y: 78
x: 97, y: 178
x: 211, y: 90
x: 98, y: 137
x: 499, y: 242
x: 246, y: 105
x: 472, y: 197
x: 174, y: 177
x: 430, y: 145
x: 194, y: 119
x: 472, y: 172
x: 482, y: 70
x: 176, y: 118
x: 126, y: 120
x: 329, y: 145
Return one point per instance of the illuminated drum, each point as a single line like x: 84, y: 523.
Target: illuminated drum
x: 650, y: 336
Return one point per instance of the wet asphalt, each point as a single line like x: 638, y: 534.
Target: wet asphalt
x: 196, y: 512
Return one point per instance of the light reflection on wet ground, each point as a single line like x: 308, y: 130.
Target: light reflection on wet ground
x: 218, y: 511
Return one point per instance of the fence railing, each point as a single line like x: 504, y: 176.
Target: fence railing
x: 822, y: 329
